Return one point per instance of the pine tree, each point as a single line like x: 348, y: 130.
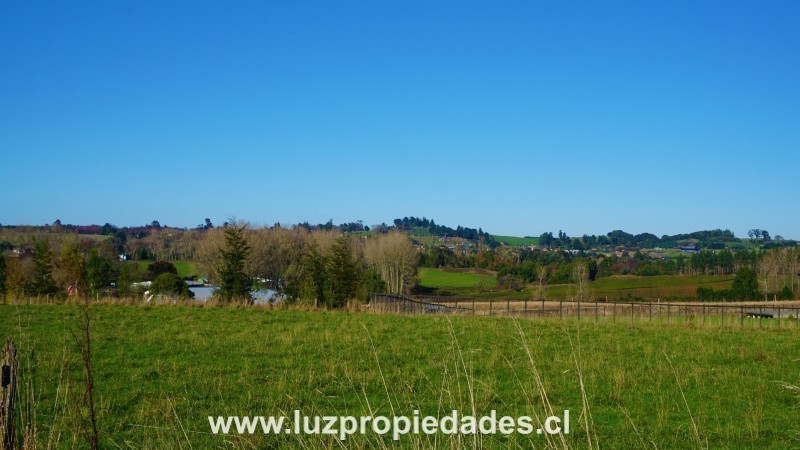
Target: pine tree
x: 99, y: 271
x: 42, y: 282
x: 343, y: 273
x: 234, y: 283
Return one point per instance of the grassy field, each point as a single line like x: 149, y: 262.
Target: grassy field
x: 451, y: 280
x: 160, y: 371
x: 185, y: 268
x: 663, y: 287
x: 516, y: 241
x: 620, y: 287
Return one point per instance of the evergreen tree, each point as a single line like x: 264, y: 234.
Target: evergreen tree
x: 314, y: 285
x: 343, y: 274
x: 42, y: 282
x: 745, y: 285
x: 99, y: 271
x: 234, y: 283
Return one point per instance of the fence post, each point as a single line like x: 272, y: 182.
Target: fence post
x: 631, y: 312
x: 473, y: 306
x: 526, y: 307
x: 651, y: 312
x: 8, y: 391
x: 614, y: 314
x: 508, y: 307
x: 779, y: 317
x: 490, y: 307
x: 561, y: 309
x: 579, y: 310
x: 596, y: 310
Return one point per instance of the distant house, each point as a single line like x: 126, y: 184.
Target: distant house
x: 689, y: 248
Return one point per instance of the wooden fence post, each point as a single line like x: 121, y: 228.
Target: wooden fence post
x: 8, y: 389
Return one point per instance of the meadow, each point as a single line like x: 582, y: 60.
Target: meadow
x: 185, y: 268
x: 515, y: 241
x: 160, y: 371
x: 470, y: 279
x: 618, y: 287
x: 655, y: 287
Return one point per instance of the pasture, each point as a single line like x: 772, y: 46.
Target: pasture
x: 185, y: 268
x: 655, y: 287
x: 617, y: 287
x: 515, y: 241
x: 159, y: 371
x: 455, y: 279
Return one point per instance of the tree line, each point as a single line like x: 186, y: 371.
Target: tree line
x: 327, y: 268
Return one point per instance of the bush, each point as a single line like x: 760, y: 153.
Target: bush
x: 169, y: 284
x: 157, y: 268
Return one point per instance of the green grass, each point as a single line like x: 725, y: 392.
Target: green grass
x: 664, y: 286
x: 438, y: 279
x: 185, y: 268
x: 516, y: 241
x: 160, y: 371
x: 624, y: 287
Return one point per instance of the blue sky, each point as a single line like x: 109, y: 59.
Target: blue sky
x: 518, y: 117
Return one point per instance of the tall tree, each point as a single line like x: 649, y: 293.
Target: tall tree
x: 234, y: 282
x: 99, y: 271
x: 541, y: 278
x: 343, y: 273
x: 394, y: 257
x: 580, y: 276
x: 745, y: 285
x: 42, y: 282
x: 311, y: 280
x: 73, y: 269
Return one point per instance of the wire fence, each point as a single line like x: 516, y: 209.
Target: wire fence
x: 767, y: 314
x: 384, y: 303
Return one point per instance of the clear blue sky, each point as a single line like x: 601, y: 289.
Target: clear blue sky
x: 518, y: 117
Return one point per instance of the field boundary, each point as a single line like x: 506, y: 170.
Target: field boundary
x: 766, y: 315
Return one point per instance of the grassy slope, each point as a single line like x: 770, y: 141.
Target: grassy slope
x: 615, y: 287
x: 185, y: 268
x: 665, y: 286
x: 514, y: 240
x: 436, y: 278
x: 171, y: 367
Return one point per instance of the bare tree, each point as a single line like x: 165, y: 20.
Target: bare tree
x: 580, y: 276
x: 394, y: 257
x: 541, y: 275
